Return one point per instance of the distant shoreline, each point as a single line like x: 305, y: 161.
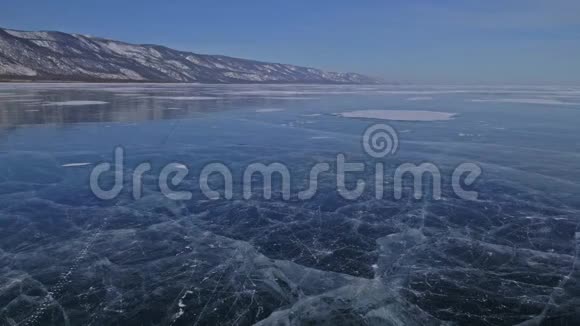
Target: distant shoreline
x: 56, y: 81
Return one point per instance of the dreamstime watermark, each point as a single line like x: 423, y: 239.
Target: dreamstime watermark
x: 378, y: 142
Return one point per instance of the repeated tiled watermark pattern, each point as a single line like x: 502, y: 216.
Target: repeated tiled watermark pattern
x: 378, y: 142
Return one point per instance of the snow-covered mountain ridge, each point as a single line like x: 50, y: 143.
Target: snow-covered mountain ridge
x: 74, y: 57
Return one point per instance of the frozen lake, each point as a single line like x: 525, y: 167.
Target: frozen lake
x: 68, y: 257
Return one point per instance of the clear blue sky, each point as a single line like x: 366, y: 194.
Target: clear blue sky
x: 448, y: 41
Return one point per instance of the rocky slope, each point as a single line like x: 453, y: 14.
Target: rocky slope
x: 74, y: 57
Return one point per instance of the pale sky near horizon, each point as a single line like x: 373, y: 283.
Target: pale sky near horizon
x: 445, y: 41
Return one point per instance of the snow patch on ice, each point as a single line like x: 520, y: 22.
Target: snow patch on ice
x: 181, y: 305
x: 69, y: 165
x: 399, y: 115
x: 526, y: 101
x: 186, y: 98
x: 269, y: 110
x: 420, y: 98
x: 21, y: 100
x: 75, y: 103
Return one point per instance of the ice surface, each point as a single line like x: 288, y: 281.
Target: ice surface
x: 69, y: 258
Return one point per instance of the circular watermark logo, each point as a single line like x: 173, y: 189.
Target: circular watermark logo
x: 380, y: 140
